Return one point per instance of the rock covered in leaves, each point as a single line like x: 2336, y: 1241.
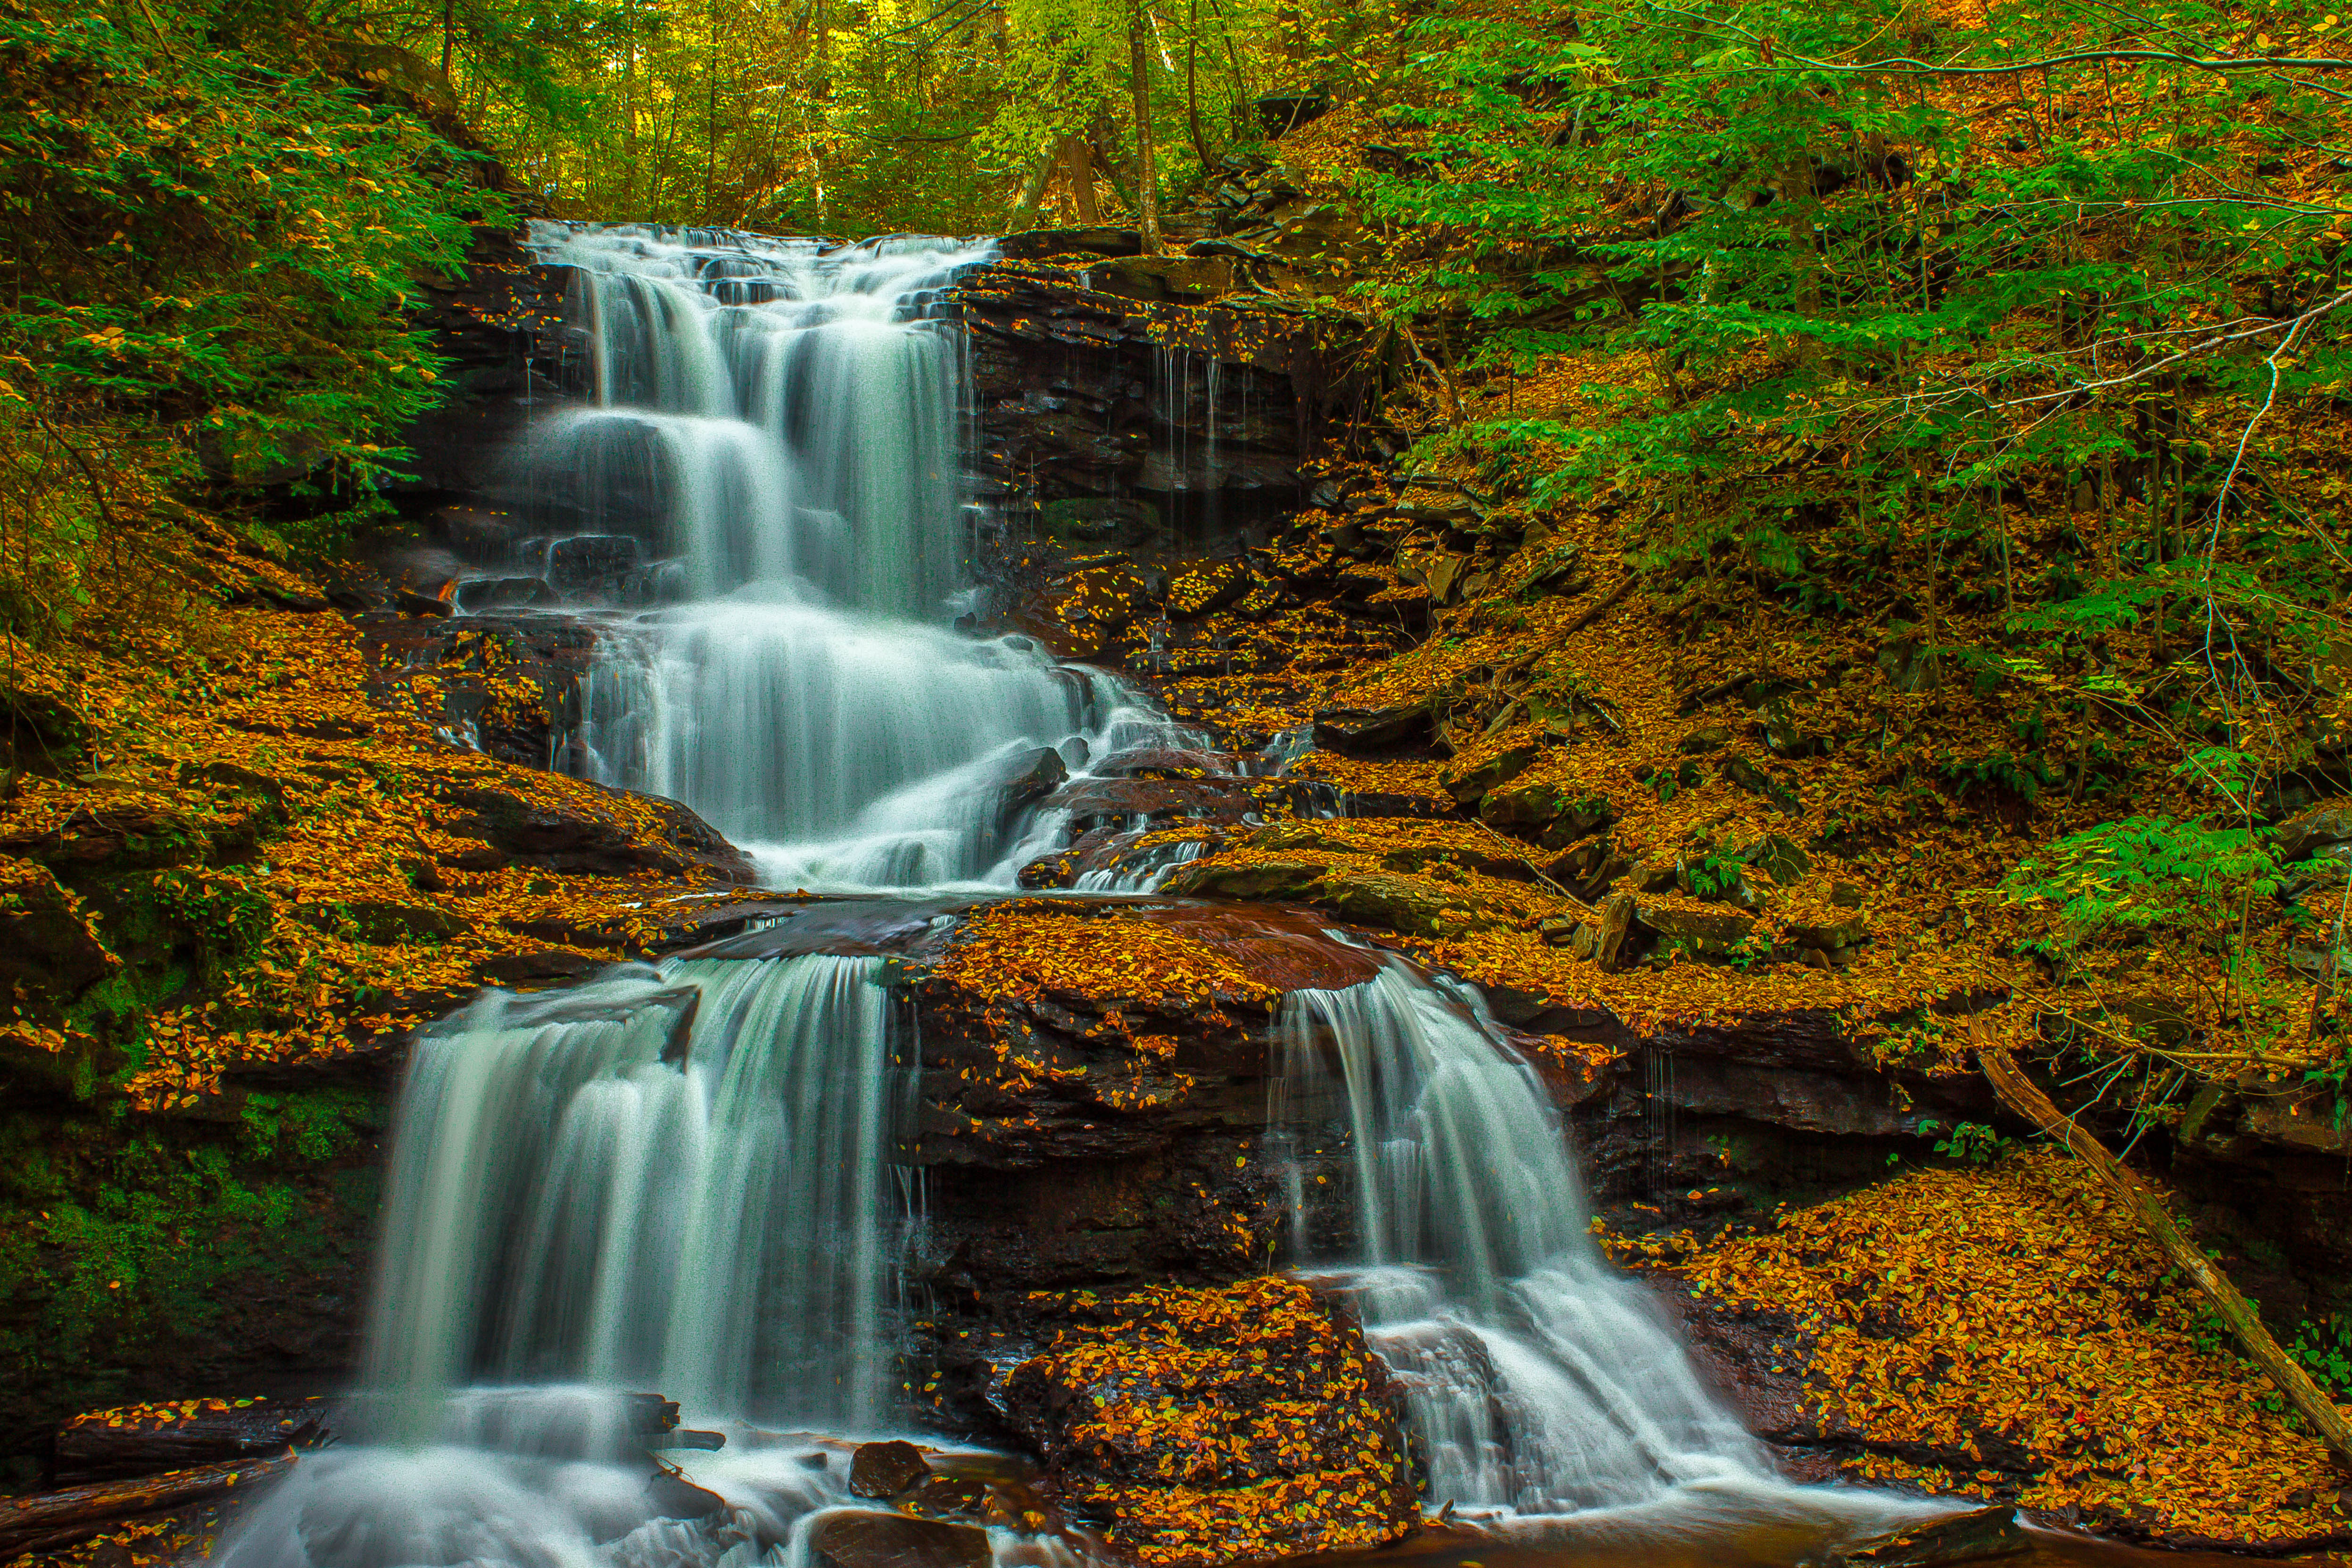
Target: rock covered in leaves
x: 1055, y: 1030
x: 1199, y: 1426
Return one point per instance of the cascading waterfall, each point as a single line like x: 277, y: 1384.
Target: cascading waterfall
x: 1540, y: 1380
x: 673, y: 1178
x: 686, y: 1177
x: 850, y: 753
x: 781, y: 419
x: 679, y: 1178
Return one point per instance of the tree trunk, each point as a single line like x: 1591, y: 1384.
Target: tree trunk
x: 710, y: 116
x: 629, y: 108
x: 1078, y: 167
x: 47, y: 1520
x: 1103, y: 148
x: 1192, y: 89
x: 1147, y: 177
x: 2319, y: 1412
x: 1032, y: 190
x: 90, y: 1449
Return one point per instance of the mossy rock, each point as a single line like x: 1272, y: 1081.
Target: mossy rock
x: 1559, y: 811
x: 1469, y: 780
x: 1096, y: 519
x: 1848, y: 929
x: 1364, y: 893
x: 1709, y: 933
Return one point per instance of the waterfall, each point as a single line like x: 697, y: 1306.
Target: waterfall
x: 1539, y: 1380
x: 778, y: 409
x: 687, y: 1177
x: 781, y: 423
x: 849, y: 754
x: 674, y: 1178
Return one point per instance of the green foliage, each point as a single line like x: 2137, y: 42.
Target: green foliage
x: 2145, y: 871
x: 228, y: 919
x: 1972, y: 1141
x: 2323, y: 1347
x: 2001, y: 768
x: 214, y: 221
x: 120, y: 1246
x: 1717, y: 874
x: 1854, y: 318
x: 308, y: 1128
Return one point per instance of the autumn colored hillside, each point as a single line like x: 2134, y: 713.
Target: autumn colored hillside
x: 1840, y: 553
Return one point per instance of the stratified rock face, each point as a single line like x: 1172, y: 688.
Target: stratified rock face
x: 1200, y: 1427
x: 1098, y: 384
x: 499, y: 326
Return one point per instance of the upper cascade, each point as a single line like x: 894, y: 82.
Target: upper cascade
x: 766, y: 408
x: 782, y: 420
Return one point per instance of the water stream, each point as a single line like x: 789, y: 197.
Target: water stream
x: 686, y: 1177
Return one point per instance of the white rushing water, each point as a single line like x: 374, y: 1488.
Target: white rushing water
x: 674, y: 1178
x: 1540, y: 1379
x: 1548, y: 1391
x: 679, y: 1178
x: 782, y: 422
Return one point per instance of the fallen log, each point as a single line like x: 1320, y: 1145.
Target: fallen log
x: 687, y: 1438
x: 47, y: 1520
x: 111, y: 1445
x: 1559, y: 639
x: 1945, y: 1539
x: 2318, y: 1411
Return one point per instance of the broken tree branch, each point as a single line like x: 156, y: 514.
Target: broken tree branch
x: 2021, y: 1095
x: 47, y: 1520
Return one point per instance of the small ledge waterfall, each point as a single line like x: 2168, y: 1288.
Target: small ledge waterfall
x: 1539, y: 1379
x: 689, y: 1177
x: 674, y: 1178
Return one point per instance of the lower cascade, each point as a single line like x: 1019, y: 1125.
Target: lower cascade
x: 670, y: 1178
x: 693, y: 1180
x: 1540, y: 1380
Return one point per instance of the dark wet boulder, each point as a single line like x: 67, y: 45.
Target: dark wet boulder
x: 1168, y: 762
x: 1208, y: 588
x: 46, y: 942
x: 2315, y: 830
x: 671, y: 1496
x: 1052, y: 871
x: 1361, y: 893
x: 1034, y: 244
x: 1097, y: 802
x: 859, y: 1539
x: 611, y: 833
x: 1468, y: 778
x: 1975, y: 1536
x: 1382, y: 729
x: 1027, y: 777
x: 1557, y: 811
x: 886, y: 1469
